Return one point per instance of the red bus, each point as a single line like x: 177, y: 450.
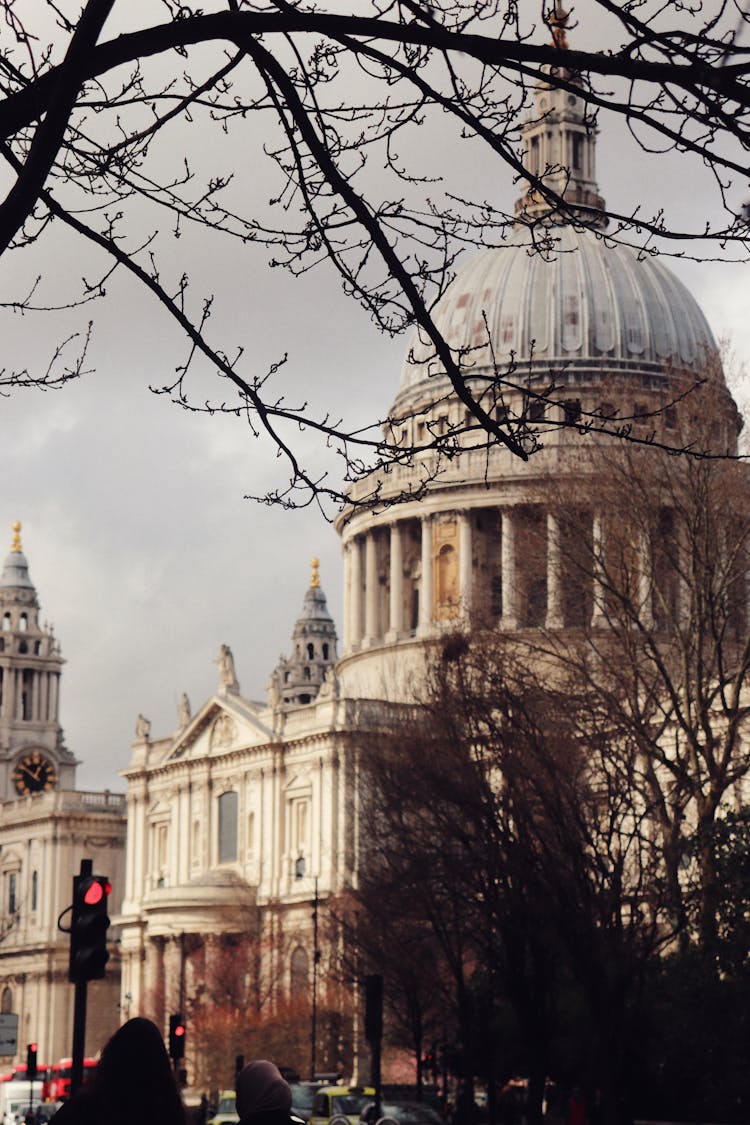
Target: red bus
x: 59, y: 1075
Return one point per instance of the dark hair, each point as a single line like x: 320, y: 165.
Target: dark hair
x: 134, y: 1078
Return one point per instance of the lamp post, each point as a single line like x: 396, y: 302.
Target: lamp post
x: 299, y: 872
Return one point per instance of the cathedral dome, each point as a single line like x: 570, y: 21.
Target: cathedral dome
x: 579, y: 304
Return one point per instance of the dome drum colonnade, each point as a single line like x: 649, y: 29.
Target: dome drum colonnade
x: 511, y: 566
x: 579, y: 326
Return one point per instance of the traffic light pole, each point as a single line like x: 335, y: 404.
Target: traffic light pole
x: 79, y: 1036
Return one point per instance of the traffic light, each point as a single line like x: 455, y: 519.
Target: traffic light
x: 176, y: 1037
x: 31, y: 1070
x: 88, y: 928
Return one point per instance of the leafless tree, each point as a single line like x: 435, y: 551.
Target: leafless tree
x: 94, y: 124
x: 660, y: 656
x: 516, y: 839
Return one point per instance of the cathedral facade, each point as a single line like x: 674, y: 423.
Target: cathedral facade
x: 248, y: 815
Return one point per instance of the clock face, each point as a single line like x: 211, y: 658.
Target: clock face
x: 34, y: 773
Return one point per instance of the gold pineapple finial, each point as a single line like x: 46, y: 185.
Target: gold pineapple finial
x: 558, y: 23
x: 16, y: 544
x: 315, y: 580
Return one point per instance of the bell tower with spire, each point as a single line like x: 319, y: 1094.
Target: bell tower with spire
x: 560, y: 144
x: 313, y: 648
x: 33, y: 757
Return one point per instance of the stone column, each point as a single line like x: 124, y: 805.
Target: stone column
x: 645, y: 590
x: 598, y: 616
x: 509, y: 617
x: 45, y: 696
x: 396, y: 612
x: 355, y: 597
x: 54, y: 684
x: 465, y: 563
x: 425, y: 593
x: 346, y: 643
x: 172, y: 972
x: 554, y: 619
x: 372, y: 631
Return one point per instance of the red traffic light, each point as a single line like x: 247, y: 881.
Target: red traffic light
x: 96, y: 891
x: 93, y: 894
x: 179, y: 1030
x: 33, y: 1046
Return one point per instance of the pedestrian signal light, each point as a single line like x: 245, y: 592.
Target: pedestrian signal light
x: 88, y: 928
x: 176, y: 1036
x: 31, y: 1067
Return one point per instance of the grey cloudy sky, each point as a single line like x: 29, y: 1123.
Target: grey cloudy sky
x: 144, y: 553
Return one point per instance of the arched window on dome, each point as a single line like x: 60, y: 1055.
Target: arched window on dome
x: 325, y: 650
x: 311, y: 651
x: 447, y: 586
x: 23, y: 622
x: 6, y: 621
x: 307, y: 672
x: 298, y: 972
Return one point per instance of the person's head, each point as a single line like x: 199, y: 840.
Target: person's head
x: 261, y: 1089
x: 135, y: 1075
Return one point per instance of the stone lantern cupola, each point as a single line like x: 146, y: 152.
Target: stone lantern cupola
x: 313, y: 647
x: 560, y: 143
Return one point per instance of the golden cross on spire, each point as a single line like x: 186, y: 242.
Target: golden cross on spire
x: 315, y: 580
x: 558, y: 22
x: 16, y: 544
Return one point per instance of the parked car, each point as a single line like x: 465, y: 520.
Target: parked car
x: 403, y: 1113
x: 226, y: 1111
x: 339, y: 1101
x: 302, y: 1098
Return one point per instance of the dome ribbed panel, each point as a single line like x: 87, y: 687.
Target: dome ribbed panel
x: 663, y: 331
x: 584, y: 301
x: 601, y: 321
x: 540, y: 306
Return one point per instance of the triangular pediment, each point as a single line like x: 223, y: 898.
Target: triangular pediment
x: 298, y: 783
x: 223, y: 723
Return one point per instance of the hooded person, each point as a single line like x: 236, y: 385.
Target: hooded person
x: 133, y: 1082
x: 263, y: 1096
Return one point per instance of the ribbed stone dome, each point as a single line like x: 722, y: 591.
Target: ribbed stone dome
x: 582, y: 304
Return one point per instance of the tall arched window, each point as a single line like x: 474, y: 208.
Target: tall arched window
x: 447, y: 581
x: 6, y: 1004
x: 34, y: 890
x: 298, y: 972
x: 228, y: 827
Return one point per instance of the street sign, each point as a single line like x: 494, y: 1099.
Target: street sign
x: 8, y: 1033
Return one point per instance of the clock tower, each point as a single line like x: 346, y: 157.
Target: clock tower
x: 33, y: 757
